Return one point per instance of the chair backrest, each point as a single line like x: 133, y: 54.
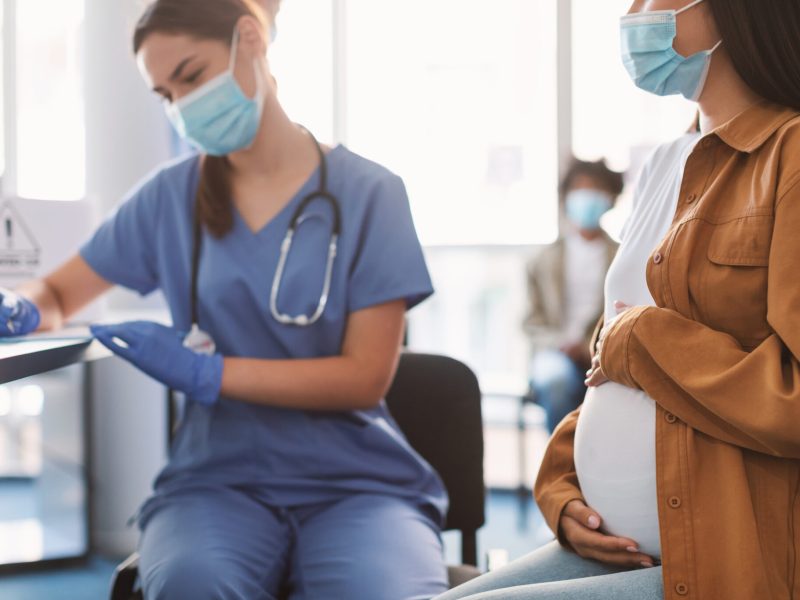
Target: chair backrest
x: 436, y: 401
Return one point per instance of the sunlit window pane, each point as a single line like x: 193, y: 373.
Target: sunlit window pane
x: 459, y: 97
x: 51, y: 155
x: 301, y: 62
x: 2, y: 103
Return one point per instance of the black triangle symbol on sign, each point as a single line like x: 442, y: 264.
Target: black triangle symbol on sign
x: 15, y: 235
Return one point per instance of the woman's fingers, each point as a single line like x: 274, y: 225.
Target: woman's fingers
x: 594, y: 366
x: 595, y: 375
x: 604, y: 548
x: 595, y: 378
x: 580, y: 525
x: 620, y: 307
x: 584, y: 515
x: 624, y: 559
x: 121, y: 338
x: 596, y: 540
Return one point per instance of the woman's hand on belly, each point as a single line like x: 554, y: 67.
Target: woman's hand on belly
x: 580, y: 525
x: 595, y: 376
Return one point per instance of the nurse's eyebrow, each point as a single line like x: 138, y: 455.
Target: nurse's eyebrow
x: 181, y: 66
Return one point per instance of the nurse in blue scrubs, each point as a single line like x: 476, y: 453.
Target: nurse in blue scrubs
x: 287, y: 474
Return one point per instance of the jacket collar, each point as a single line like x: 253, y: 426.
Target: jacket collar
x: 751, y: 128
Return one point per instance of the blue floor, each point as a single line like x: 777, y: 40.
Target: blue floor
x: 88, y: 582
x: 511, y: 525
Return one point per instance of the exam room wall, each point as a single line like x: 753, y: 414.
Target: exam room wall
x: 126, y: 137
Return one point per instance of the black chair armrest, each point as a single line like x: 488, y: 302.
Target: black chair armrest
x: 124, y: 585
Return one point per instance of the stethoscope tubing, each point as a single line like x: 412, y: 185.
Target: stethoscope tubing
x: 298, y: 218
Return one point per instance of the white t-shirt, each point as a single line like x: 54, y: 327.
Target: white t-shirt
x: 615, y: 454
x: 584, y: 269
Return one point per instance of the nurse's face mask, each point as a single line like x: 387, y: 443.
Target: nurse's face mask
x: 652, y: 62
x: 218, y: 117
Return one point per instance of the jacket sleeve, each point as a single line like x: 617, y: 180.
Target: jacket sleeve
x: 704, y: 377
x: 557, y: 482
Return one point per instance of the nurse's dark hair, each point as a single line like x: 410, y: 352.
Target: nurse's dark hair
x: 762, y: 37
x: 204, y: 20
x: 606, y: 179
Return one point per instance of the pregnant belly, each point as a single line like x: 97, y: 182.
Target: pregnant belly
x: 615, y: 459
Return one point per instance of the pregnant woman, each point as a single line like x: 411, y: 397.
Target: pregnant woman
x: 680, y: 475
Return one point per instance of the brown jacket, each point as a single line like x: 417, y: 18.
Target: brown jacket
x: 544, y: 322
x: 720, y: 355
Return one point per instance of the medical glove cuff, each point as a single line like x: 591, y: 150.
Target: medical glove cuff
x: 207, y: 379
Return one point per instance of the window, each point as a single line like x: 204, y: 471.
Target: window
x: 458, y: 97
x: 2, y: 95
x: 301, y: 62
x: 51, y: 146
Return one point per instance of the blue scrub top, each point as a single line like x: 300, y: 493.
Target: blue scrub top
x: 287, y: 457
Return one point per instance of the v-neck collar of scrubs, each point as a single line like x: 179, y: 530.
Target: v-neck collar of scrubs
x: 309, y: 185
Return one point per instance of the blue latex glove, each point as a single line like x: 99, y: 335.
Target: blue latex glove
x: 18, y: 315
x: 159, y: 351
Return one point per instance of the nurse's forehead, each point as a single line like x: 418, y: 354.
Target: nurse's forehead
x: 162, y: 53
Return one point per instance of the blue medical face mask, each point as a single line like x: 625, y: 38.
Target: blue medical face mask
x: 218, y: 117
x: 652, y: 62
x: 585, y: 207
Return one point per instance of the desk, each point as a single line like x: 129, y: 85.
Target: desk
x: 27, y: 358
x: 52, y: 504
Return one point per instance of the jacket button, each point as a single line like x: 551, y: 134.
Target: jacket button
x: 657, y: 258
x: 691, y: 198
x: 675, y: 502
x: 670, y: 418
x: 682, y: 589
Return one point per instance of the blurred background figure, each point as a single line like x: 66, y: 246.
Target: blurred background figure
x: 565, y: 289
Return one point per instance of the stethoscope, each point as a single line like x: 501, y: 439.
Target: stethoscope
x: 200, y: 341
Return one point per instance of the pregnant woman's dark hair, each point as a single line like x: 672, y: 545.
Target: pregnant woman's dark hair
x: 212, y: 20
x: 762, y: 37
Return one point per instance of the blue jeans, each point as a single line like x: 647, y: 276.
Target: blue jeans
x: 557, y: 384
x: 553, y: 573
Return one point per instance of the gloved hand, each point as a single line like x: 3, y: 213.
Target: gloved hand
x: 159, y: 351
x: 18, y: 315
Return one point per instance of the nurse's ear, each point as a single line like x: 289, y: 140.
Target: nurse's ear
x: 252, y: 38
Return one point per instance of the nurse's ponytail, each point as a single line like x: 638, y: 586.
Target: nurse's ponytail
x: 762, y: 37
x: 214, y: 20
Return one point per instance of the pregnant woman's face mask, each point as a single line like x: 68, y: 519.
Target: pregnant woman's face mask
x: 651, y: 60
